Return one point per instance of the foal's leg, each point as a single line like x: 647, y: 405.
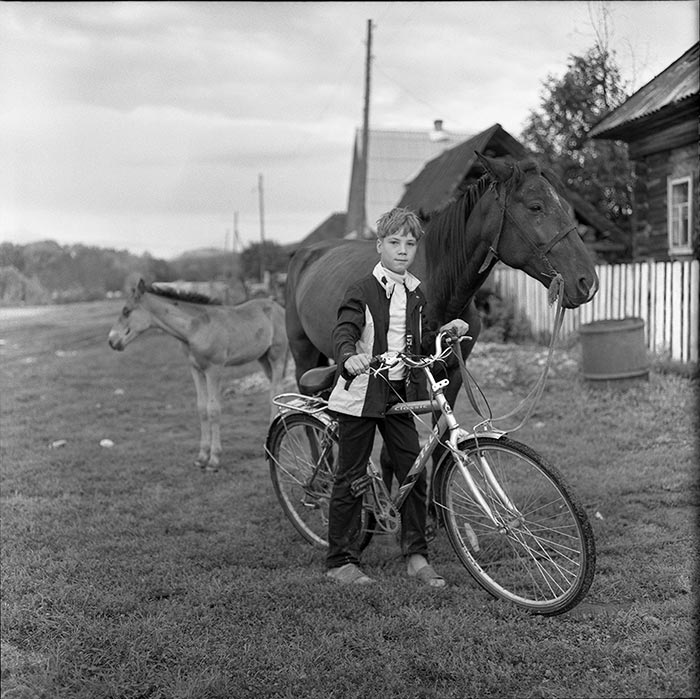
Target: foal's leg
x: 213, y: 376
x: 200, y: 384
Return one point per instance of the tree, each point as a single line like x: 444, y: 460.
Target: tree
x: 274, y: 259
x: 600, y: 171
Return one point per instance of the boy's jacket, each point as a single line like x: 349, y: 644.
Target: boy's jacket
x: 362, y: 326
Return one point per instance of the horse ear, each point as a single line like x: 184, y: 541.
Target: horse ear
x: 498, y: 169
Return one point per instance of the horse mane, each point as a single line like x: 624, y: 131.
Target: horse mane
x: 446, y: 253
x: 180, y: 295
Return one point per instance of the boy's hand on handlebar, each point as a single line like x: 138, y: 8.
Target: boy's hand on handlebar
x: 357, y: 364
x: 455, y: 328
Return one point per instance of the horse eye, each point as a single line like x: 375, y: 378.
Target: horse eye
x: 536, y: 207
x: 125, y: 312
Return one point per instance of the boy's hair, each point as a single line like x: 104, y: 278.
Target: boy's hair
x: 393, y: 221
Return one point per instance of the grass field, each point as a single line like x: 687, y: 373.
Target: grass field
x: 127, y: 573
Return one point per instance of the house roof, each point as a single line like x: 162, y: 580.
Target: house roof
x: 333, y: 227
x: 673, y: 87
x: 438, y: 182
x: 395, y: 157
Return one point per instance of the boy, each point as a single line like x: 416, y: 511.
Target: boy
x: 382, y: 312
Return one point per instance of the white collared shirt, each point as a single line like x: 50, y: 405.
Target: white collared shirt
x: 396, y: 335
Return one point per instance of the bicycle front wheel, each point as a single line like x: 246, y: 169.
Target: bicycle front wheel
x: 518, y: 529
x: 303, y: 455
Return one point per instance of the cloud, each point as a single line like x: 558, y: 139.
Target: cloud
x: 160, y: 117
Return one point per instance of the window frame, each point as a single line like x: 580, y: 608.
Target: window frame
x: 687, y: 247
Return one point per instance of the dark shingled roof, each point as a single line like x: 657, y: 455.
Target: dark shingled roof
x: 677, y: 85
x: 333, y: 227
x: 438, y: 182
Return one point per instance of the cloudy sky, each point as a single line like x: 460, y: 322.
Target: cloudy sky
x: 145, y: 126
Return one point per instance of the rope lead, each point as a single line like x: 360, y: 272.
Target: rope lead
x: 555, y: 288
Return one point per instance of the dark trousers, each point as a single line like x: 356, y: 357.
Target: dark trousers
x: 356, y: 435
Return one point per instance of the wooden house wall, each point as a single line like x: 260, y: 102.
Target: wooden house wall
x: 652, y: 173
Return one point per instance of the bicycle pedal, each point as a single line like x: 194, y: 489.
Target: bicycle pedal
x: 360, y: 485
x: 310, y: 501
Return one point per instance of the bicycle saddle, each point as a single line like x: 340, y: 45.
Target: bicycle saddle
x: 314, y: 381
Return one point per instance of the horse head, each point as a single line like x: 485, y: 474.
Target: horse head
x: 132, y: 321
x: 531, y: 227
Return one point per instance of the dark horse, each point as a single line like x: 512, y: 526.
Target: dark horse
x: 512, y: 213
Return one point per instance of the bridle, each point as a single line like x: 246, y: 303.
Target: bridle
x: 500, y: 193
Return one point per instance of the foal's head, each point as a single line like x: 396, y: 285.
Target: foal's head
x: 133, y: 320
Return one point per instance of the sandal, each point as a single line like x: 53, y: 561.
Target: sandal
x: 349, y: 574
x: 427, y: 576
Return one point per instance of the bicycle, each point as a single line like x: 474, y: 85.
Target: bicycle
x: 510, y: 517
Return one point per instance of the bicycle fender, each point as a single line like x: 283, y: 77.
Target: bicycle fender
x: 493, y: 434
x: 277, y: 423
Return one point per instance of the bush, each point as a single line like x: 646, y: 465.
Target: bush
x: 500, y: 321
x: 18, y: 290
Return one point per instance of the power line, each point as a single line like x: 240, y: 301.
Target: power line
x: 403, y: 88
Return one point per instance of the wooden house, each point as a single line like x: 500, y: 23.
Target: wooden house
x: 659, y: 123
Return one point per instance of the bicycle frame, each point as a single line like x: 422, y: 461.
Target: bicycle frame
x: 447, y: 422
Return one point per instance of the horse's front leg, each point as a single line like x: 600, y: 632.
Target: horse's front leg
x: 200, y: 384
x: 213, y: 376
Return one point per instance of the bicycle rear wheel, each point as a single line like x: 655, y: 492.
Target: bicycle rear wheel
x: 539, y: 553
x: 303, y: 453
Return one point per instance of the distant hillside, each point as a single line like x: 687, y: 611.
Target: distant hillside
x: 46, y: 272
x: 199, y: 253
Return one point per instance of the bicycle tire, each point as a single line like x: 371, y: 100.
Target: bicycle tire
x: 541, y: 556
x: 303, y: 455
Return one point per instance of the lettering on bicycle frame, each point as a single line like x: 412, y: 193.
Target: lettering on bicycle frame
x: 417, y: 407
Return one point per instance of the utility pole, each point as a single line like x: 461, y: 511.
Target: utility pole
x: 262, y: 228
x: 365, y: 132
x: 234, y: 245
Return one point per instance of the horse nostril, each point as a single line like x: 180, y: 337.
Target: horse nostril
x: 586, y: 288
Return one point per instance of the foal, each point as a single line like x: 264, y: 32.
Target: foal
x: 212, y: 336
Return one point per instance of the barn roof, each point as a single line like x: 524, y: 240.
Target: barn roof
x: 678, y: 85
x: 333, y: 227
x: 438, y: 182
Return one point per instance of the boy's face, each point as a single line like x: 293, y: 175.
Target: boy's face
x: 397, y: 251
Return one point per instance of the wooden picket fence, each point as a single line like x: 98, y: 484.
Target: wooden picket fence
x: 664, y: 294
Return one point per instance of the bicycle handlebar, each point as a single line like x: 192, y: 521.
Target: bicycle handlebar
x: 390, y: 359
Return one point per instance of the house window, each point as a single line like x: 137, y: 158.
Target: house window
x: 679, y: 215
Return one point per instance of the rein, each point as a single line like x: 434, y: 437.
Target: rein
x: 535, y: 393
